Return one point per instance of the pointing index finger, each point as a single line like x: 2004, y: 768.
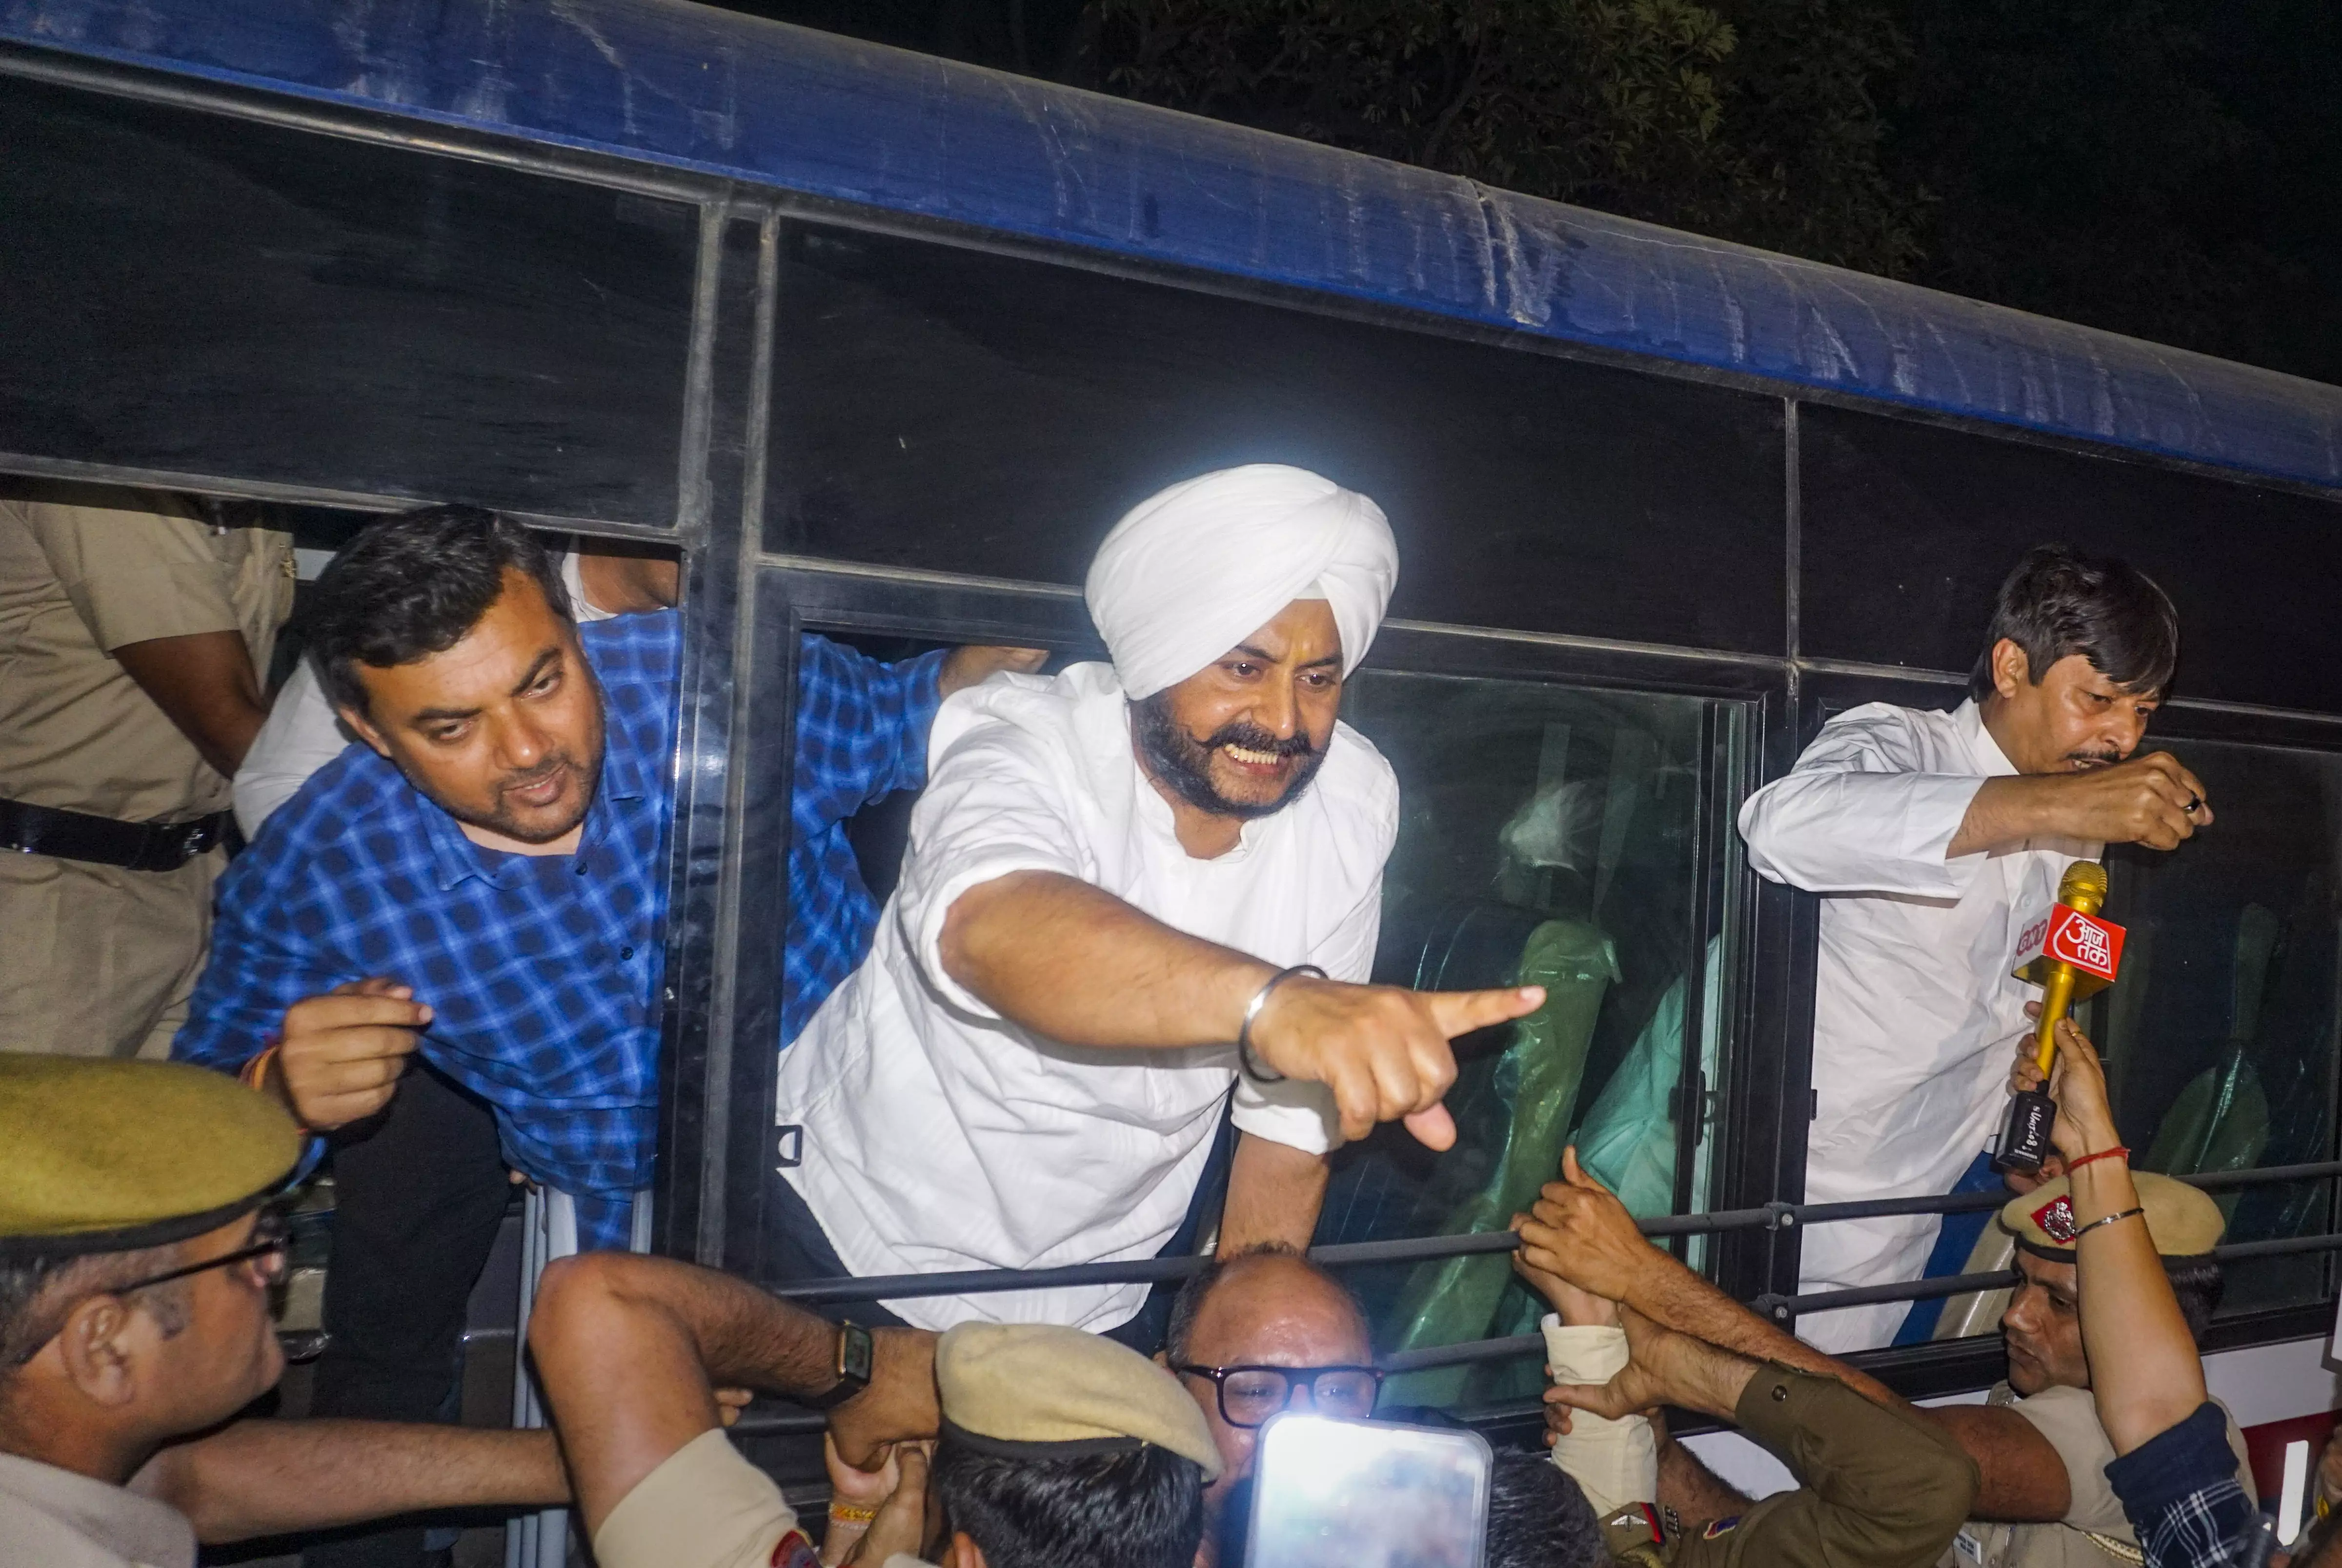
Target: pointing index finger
x: 1455, y: 1012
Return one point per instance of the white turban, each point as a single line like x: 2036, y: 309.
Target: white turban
x: 1191, y: 571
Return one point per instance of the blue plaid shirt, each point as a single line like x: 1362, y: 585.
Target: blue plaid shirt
x: 542, y: 971
x: 2180, y: 1493
x: 861, y: 735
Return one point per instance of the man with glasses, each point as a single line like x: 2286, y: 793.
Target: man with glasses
x: 136, y: 1257
x: 1262, y: 1331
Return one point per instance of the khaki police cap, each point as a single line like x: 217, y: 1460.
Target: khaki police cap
x: 109, y: 1156
x: 1037, y: 1391
x: 2182, y: 1222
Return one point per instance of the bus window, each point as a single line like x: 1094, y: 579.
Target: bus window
x: 2221, y: 1033
x: 1547, y: 835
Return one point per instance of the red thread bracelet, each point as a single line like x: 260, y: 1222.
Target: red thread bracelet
x: 2074, y: 1165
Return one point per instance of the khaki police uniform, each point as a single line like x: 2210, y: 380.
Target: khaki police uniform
x: 2184, y: 1223
x: 52, y: 1518
x: 1882, y: 1488
x: 102, y: 958
x: 108, y: 1157
x: 1011, y: 1390
x: 2094, y: 1532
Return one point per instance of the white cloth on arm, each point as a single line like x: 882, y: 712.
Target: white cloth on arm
x: 1613, y: 1460
x: 302, y: 733
x: 1916, y: 1015
x: 938, y: 1135
x: 1191, y: 571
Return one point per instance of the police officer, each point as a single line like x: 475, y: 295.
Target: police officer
x: 2051, y: 1505
x: 136, y: 629
x: 137, y: 1253
x: 1877, y: 1485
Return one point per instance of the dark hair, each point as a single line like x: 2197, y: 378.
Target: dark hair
x: 2059, y: 602
x: 412, y: 585
x: 29, y: 1280
x: 1140, y: 1509
x: 1189, y: 1304
x: 1539, y: 1518
x: 2199, y: 1285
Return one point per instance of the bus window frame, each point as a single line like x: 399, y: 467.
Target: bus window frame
x: 1955, y: 1365
x: 792, y: 595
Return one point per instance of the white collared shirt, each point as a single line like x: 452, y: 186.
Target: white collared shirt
x: 940, y: 1136
x: 1916, y: 1012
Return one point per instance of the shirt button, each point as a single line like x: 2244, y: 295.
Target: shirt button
x: 581, y: 866
x: 1780, y: 1391
x: 625, y: 953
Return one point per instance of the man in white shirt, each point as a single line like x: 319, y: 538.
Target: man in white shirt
x: 1114, y: 883
x: 1935, y: 839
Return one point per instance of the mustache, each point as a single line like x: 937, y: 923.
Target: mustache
x: 2095, y: 759
x: 1253, y: 738
x: 530, y: 777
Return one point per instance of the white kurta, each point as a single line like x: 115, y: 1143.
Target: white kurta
x: 938, y: 1136
x: 1916, y: 1015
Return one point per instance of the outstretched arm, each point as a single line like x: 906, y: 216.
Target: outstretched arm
x: 677, y: 1331
x: 1071, y: 961
x: 1580, y: 1233
x: 260, y: 1478
x: 2145, y: 1372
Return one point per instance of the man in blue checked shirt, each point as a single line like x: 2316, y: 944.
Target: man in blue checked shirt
x: 480, y: 886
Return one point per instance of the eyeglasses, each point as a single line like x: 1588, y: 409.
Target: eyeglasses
x: 268, y: 1250
x: 271, y: 1242
x: 1249, y: 1395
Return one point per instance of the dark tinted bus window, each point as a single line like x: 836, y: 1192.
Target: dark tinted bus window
x: 1547, y: 835
x: 1909, y: 529
x: 954, y: 411
x: 2221, y: 1031
x: 195, y: 294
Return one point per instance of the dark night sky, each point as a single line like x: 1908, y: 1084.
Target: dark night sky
x: 2166, y: 168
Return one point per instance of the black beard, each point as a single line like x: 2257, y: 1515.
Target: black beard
x: 1184, y: 763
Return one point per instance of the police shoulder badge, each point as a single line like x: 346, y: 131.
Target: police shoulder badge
x: 2055, y: 1219
x: 794, y: 1551
x: 1717, y: 1527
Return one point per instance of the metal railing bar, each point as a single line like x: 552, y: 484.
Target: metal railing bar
x: 1420, y: 1249
x: 900, y: 1287
x: 1783, y: 1307
x: 1504, y: 1348
x: 1780, y: 1308
x: 1469, y: 1351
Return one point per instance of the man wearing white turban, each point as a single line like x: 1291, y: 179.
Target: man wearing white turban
x: 1129, y: 888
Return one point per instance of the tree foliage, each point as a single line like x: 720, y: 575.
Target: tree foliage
x: 1669, y: 110
x: 2159, y: 168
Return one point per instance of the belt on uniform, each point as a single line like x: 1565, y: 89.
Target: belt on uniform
x: 103, y: 840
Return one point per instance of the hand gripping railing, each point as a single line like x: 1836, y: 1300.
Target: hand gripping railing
x: 1774, y: 1217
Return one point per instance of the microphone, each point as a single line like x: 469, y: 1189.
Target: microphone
x: 2071, y: 953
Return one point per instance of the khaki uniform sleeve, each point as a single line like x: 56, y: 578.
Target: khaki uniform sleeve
x: 1880, y: 1488
x: 135, y: 565
x: 703, y: 1507
x: 2067, y: 1419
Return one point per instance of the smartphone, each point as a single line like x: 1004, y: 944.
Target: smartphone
x: 1331, y: 1494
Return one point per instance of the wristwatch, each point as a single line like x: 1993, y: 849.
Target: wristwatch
x: 854, y: 1362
